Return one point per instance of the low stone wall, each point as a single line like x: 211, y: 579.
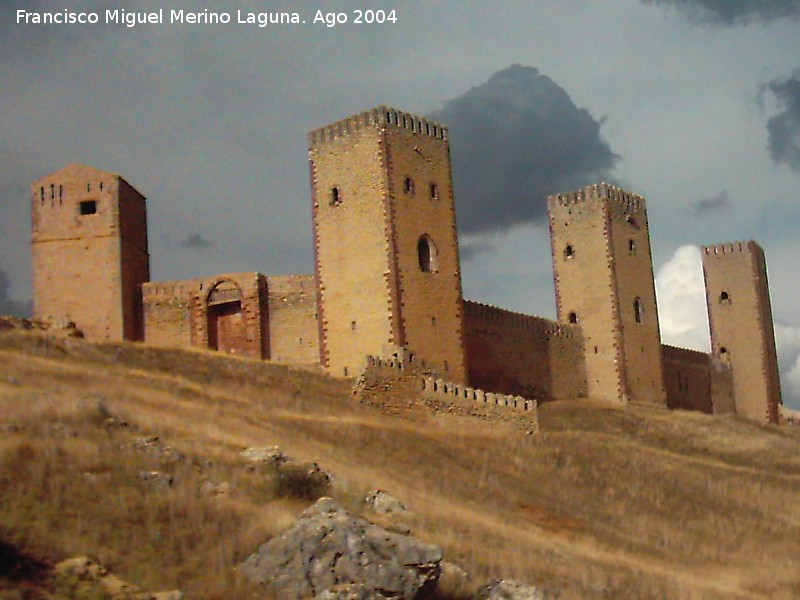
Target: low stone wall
x: 396, y: 383
x: 440, y: 388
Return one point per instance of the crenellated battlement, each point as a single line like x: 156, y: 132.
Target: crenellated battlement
x: 405, y: 360
x: 404, y: 374
x: 515, y: 320
x: 171, y: 289
x: 602, y: 192
x: 433, y: 387
x: 379, y: 117
x: 732, y: 248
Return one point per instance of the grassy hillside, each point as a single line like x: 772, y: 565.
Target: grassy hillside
x: 604, y: 503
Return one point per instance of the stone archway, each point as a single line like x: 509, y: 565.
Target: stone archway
x: 226, y: 323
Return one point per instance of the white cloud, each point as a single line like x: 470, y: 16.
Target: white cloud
x: 787, y: 340
x: 683, y: 318
x: 681, y: 298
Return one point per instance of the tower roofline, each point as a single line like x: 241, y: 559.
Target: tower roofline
x: 80, y: 167
x: 381, y: 117
x: 731, y: 247
x: 598, y: 192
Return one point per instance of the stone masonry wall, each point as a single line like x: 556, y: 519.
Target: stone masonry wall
x: 422, y: 206
x: 740, y: 318
x: 293, y: 331
x: 381, y: 185
x: 167, y: 312
x: 89, y: 250
x: 688, y: 379
x: 134, y: 257
x: 697, y: 381
x: 637, y: 313
x: 395, y: 383
x: 585, y: 287
x: 604, y: 282
x: 226, y: 312
x: 352, y: 246
x: 523, y: 355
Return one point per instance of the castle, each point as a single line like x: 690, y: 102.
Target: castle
x: 387, y: 279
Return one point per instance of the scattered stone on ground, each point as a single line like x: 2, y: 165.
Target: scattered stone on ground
x: 152, y: 446
x: 508, y: 589
x: 217, y: 489
x: 81, y: 577
x: 328, y: 548
x: 318, y: 473
x: 383, y: 503
x: 351, y: 591
x: 264, y: 454
x: 156, y: 480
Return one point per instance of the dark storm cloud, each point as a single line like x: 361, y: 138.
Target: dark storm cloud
x: 515, y: 140
x: 731, y: 12
x: 784, y: 128
x: 9, y: 306
x: 30, y: 42
x: 720, y: 202
x: 195, y: 241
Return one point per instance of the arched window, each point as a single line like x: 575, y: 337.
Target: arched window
x: 631, y: 246
x: 573, y: 317
x: 408, y: 185
x: 434, y: 191
x: 426, y: 253
x: 569, y: 251
x: 638, y: 310
x: 724, y: 298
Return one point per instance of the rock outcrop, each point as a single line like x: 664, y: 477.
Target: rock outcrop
x: 332, y: 554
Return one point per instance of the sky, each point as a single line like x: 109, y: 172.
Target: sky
x: 694, y: 104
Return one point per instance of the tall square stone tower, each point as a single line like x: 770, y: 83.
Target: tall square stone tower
x: 386, y: 248
x: 89, y: 246
x: 740, y: 318
x: 603, y: 272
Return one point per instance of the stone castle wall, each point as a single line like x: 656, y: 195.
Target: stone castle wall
x: 387, y: 282
x: 394, y: 383
x: 381, y: 188
x: 603, y: 272
x: 89, y: 251
x: 225, y: 313
x: 740, y: 317
x: 352, y: 244
x: 523, y: 355
x: 248, y: 314
x: 292, y: 324
x: 697, y: 381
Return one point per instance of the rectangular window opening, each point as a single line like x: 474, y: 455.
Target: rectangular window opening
x: 88, y: 207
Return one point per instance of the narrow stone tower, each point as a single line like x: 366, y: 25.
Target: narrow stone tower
x: 386, y: 248
x: 740, y: 318
x: 604, y: 283
x: 89, y: 245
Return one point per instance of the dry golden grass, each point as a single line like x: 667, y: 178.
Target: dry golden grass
x: 605, y: 503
